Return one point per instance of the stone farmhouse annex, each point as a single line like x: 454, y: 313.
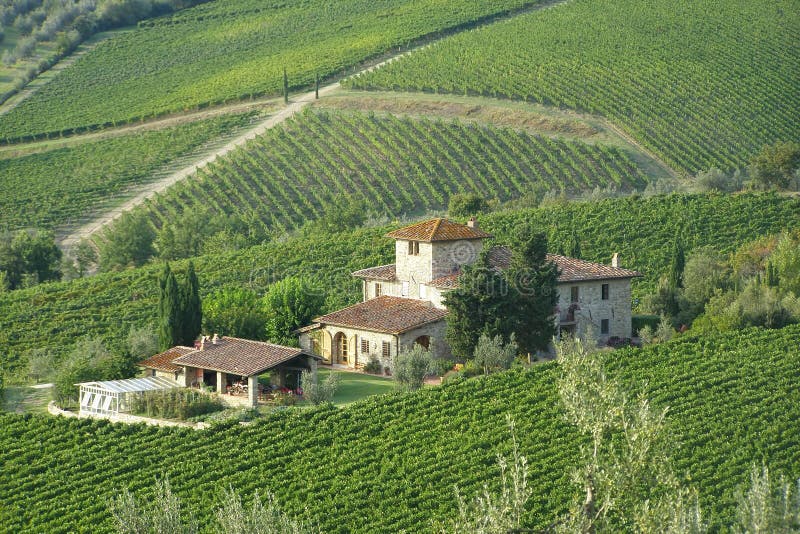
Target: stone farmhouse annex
x: 403, y: 302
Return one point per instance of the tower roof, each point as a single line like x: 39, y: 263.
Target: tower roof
x: 438, y: 230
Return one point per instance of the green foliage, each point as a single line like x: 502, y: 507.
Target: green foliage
x: 290, y: 304
x: 704, y: 381
x: 705, y: 272
x: 40, y: 364
x: 466, y: 205
x: 776, y: 165
x: 766, y: 506
x: 236, y: 312
x: 191, y: 308
x: 162, y: 514
x: 170, y: 319
x: 677, y: 264
x: 223, y: 51
x: 411, y: 366
x: 28, y: 257
x: 338, y: 168
x: 64, y: 185
x: 142, y: 342
x: 258, y: 518
x: 126, y: 242
x: 483, y: 303
x: 533, y: 282
x: 626, y: 479
x: 89, y: 360
x: 107, y: 305
x: 315, y: 392
x: 672, y: 76
x: 373, y: 365
x: 175, y: 403
x: 493, y: 354
x: 642, y: 320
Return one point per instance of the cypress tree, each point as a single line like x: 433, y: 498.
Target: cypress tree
x: 285, y: 87
x: 191, y: 312
x: 677, y: 264
x: 533, y: 295
x: 169, y: 321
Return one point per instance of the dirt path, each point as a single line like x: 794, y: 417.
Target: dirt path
x: 633, y: 142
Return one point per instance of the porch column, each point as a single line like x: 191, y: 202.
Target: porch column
x: 252, y: 390
x: 220, y: 386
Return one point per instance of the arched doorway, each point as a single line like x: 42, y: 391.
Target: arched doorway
x: 341, y: 348
x: 424, y: 342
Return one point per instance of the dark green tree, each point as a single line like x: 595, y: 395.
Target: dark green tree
x: 289, y: 304
x: 191, y: 308
x: 573, y: 248
x: 775, y: 165
x: 533, y: 296
x: 285, y: 87
x: 677, y: 263
x: 466, y: 205
x: 127, y: 242
x: 170, y: 308
x: 479, y: 305
x: 28, y: 257
x: 235, y: 312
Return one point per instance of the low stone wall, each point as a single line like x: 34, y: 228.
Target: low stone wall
x: 123, y: 418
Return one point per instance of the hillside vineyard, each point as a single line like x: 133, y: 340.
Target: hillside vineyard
x: 701, y: 84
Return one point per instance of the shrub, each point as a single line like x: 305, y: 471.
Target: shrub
x: 373, y: 365
x: 174, y: 404
x: 411, y: 366
x: 316, y: 392
x: 641, y: 321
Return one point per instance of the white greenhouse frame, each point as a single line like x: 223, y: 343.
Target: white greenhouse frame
x: 110, y: 397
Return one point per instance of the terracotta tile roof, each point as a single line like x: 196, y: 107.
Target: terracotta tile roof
x: 237, y: 356
x: 391, y: 315
x: 438, y: 230
x: 575, y: 270
x: 163, y: 361
x: 572, y: 269
x: 383, y: 272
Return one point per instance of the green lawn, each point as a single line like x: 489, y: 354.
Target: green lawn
x: 356, y: 386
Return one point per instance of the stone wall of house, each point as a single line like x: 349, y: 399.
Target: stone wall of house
x: 387, y: 288
x: 414, y: 269
x: 449, y: 256
x: 593, y: 309
x: 435, y: 331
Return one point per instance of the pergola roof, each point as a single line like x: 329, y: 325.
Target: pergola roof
x: 133, y: 385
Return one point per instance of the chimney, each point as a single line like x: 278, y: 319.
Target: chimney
x: 203, y: 343
x: 472, y: 223
x: 215, y: 339
x: 615, y: 260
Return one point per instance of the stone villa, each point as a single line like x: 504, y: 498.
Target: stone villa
x: 403, y: 302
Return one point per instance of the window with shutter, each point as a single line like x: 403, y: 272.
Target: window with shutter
x: 386, y: 347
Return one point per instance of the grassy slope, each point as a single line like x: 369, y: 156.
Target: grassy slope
x: 231, y: 49
x: 701, y: 83
x: 52, y: 188
x: 391, y: 462
x: 642, y: 230
x: 356, y: 386
x: 393, y: 165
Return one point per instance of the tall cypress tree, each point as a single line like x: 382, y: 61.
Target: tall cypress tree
x: 534, y: 296
x: 677, y: 263
x: 191, y: 308
x: 169, y: 321
x: 285, y: 87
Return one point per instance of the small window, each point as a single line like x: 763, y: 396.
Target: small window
x: 604, y: 326
x: 364, y: 346
x: 378, y: 290
x: 423, y: 291
x: 386, y: 346
x: 605, y: 292
x: 405, y: 289
x: 413, y: 248
x: 573, y: 294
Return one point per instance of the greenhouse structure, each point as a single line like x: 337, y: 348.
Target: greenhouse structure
x: 111, y: 397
